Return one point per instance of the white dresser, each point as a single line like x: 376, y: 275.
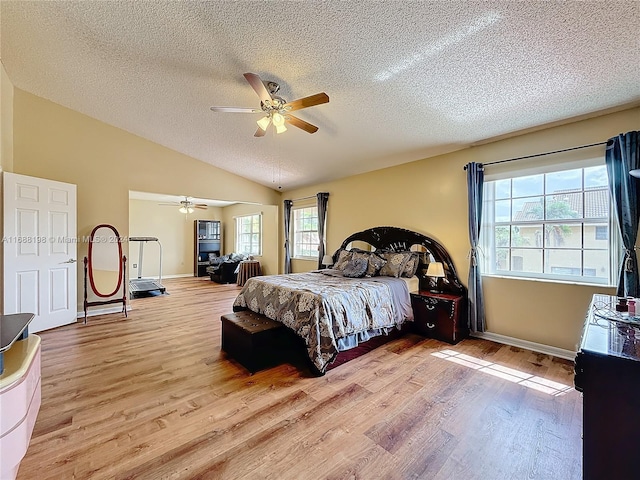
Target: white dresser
x: 19, y: 402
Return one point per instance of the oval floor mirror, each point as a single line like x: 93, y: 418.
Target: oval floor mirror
x: 105, y: 269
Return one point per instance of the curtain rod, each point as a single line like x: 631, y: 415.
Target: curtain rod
x: 542, y: 154
x: 303, y: 198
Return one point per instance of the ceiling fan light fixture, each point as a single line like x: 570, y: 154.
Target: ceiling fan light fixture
x: 275, y: 108
x: 185, y: 209
x: 278, y: 120
x: 264, y: 122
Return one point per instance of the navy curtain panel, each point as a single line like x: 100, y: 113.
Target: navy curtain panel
x: 475, y: 307
x: 622, y: 156
x: 323, y: 199
x: 287, y: 232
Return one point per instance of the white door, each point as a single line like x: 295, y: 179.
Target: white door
x: 40, y: 250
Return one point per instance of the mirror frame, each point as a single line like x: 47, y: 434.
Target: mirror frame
x: 91, y: 280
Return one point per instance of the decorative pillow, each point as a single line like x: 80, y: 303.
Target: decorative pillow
x: 395, y: 264
x: 411, y: 265
x: 343, y: 257
x: 374, y: 261
x: 355, y: 268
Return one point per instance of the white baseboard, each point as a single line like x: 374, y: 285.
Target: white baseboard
x: 102, y: 311
x: 536, y: 347
x: 178, y: 275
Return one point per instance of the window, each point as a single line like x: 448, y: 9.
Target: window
x: 602, y: 233
x: 305, y: 232
x: 554, y: 225
x: 249, y: 234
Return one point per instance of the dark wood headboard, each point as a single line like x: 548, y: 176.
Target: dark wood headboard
x: 400, y: 239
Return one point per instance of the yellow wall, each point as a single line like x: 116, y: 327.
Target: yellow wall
x: 174, y: 230
x: 51, y: 141
x: 270, y: 228
x: 6, y: 153
x: 429, y: 196
x: 6, y: 121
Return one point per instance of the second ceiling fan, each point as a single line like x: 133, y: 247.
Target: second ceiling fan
x: 187, y: 205
x: 276, y: 109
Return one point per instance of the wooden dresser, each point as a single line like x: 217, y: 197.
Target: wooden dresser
x: 607, y: 372
x: 440, y: 315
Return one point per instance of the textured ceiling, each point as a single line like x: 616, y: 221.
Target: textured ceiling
x: 407, y: 80
x: 175, y: 199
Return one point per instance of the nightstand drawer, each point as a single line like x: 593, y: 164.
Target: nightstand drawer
x: 439, y: 316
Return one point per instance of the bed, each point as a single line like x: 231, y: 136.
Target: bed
x: 360, y: 303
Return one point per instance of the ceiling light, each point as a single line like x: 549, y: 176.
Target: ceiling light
x: 264, y: 122
x: 278, y: 120
x: 185, y: 210
x: 635, y: 173
x: 280, y: 128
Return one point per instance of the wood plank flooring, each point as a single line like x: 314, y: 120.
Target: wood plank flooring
x: 153, y: 397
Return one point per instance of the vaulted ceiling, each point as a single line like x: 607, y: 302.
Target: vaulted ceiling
x: 406, y: 80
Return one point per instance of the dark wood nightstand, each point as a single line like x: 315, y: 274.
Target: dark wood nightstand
x: 440, y: 315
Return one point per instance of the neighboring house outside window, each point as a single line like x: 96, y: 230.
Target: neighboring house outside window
x: 249, y: 234
x: 305, y: 233
x: 554, y: 225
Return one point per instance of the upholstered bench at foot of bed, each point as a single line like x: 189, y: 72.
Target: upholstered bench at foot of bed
x: 254, y: 340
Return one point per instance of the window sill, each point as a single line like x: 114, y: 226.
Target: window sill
x: 546, y: 280
x: 307, y: 259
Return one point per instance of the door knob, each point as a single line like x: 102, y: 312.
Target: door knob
x: 71, y: 260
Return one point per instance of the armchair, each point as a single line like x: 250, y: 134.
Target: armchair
x: 224, y: 269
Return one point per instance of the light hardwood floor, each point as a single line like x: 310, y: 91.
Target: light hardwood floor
x: 153, y: 397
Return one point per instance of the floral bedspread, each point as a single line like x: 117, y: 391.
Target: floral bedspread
x: 322, y: 308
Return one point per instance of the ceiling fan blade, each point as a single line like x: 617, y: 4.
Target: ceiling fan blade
x: 203, y: 207
x: 259, y: 133
x: 256, y: 82
x: 236, y: 110
x: 297, y: 122
x: 305, y: 102
x: 169, y: 204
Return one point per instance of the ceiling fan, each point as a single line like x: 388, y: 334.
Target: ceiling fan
x: 186, y: 205
x: 276, y: 109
